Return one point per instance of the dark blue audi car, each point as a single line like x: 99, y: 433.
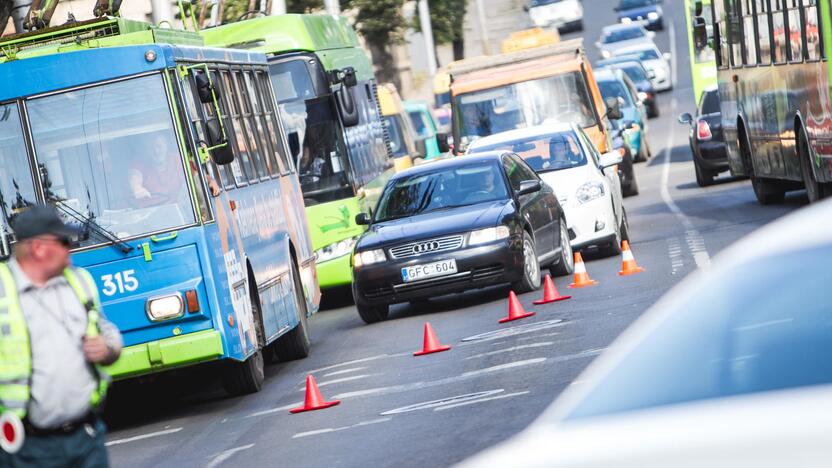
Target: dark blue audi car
x: 645, y: 12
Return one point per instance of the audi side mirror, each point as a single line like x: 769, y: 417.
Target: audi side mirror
x: 529, y: 186
x: 363, y: 219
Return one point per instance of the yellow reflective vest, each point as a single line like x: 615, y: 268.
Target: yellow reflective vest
x: 15, y: 348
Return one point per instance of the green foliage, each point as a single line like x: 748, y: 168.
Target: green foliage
x: 233, y: 9
x: 303, y: 6
x: 379, y: 21
x: 446, y: 20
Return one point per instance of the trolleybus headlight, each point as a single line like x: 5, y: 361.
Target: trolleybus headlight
x: 484, y: 236
x: 335, y: 250
x: 368, y: 257
x: 165, y: 307
x: 589, y: 191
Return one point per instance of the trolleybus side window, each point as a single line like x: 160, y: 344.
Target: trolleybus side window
x: 241, y: 167
x: 243, y: 120
x: 763, y: 31
x: 778, y: 26
x: 269, y: 126
x: 795, y: 31
x: 255, y: 125
x: 750, y: 33
x: 720, y: 35
x: 814, y: 43
x: 735, y: 33
x: 17, y: 188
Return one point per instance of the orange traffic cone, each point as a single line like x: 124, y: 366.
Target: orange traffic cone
x: 582, y: 278
x: 628, y: 265
x: 550, y: 292
x: 515, y: 309
x: 314, y: 399
x: 431, y: 344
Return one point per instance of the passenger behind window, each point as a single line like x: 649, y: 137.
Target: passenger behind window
x: 158, y: 176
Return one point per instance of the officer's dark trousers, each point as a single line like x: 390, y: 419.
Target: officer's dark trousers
x: 77, y: 449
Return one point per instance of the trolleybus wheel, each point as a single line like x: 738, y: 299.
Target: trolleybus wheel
x: 295, y: 344
x: 242, y: 378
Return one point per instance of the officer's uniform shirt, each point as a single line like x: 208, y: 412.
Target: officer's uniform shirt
x: 62, y: 379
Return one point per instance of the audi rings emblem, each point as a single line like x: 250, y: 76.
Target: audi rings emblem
x: 425, y: 247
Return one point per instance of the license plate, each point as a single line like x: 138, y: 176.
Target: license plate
x: 428, y: 270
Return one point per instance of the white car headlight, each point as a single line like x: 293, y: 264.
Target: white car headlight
x: 606, y: 54
x: 484, y: 236
x: 335, y: 250
x: 368, y: 257
x: 626, y: 20
x: 653, y: 15
x: 589, y: 191
x: 165, y: 307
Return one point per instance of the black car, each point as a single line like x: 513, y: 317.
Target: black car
x: 645, y: 12
x: 458, y: 224
x: 707, y: 142
x: 640, y: 77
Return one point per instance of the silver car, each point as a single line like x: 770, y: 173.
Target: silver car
x: 620, y: 36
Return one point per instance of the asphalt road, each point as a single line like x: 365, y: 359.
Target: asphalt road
x: 675, y: 227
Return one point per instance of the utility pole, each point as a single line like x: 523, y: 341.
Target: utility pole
x: 427, y: 32
x: 278, y: 7
x: 332, y: 7
x: 486, y: 46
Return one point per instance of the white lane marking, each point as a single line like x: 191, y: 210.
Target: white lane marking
x: 336, y: 429
x: 142, y: 437
x: 343, y: 379
x: 769, y: 323
x: 345, y: 371
x: 465, y: 403
x: 579, y: 355
x: 500, y: 367
x: 513, y: 348
x: 674, y: 250
x: 692, y: 237
x: 226, y: 455
x: 276, y: 410
x: 516, y: 330
x: 442, y: 402
x: 434, y: 383
x: 537, y: 337
x: 357, y: 361
x: 674, y: 64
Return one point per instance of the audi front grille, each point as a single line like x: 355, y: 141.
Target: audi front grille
x: 414, y: 249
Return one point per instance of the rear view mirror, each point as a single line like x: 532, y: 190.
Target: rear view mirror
x: 221, y: 152
x: 421, y: 148
x: 442, y: 140
x: 529, y: 186
x: 685, y: 118
x: 204, y: 88
x: 700, y: 32
x: 347, y: 106
x: 613, y: 108
x: 363, y: 219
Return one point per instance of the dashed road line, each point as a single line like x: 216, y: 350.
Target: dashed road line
x: 513, y: 348
x: 276, y: 410
x: 226, y: 455
x: 142, y: 437
x: 481, y: 400
x: 344, y: 428
x: 674, y: 63
x: 342, y: 379
x: 516, y: 330
x: 442, y: 402
x: 357, y: 361
x: 674, y: 251
x: 345, y: 371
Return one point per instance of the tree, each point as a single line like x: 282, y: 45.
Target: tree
x: 303, y: 6
x: 382, y: 25
x: 447, y: 18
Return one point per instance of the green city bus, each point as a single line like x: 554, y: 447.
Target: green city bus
x: 773, y: 79
x: 702, y: 57
x: 327, y: 95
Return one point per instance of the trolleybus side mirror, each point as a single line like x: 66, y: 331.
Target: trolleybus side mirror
x: 363, y: 219
x: 697, y: 8
x: 700, y: 32
x: 613, y: 108
x: 204, y: 88
x: 685, y: 118
x: 221, y: 151
x: 347, y: 106
x: 349, y: 79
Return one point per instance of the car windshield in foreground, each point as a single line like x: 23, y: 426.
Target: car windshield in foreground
x: 559, y: 98
x: 111, y: 155
x: 544, y: 153
x: 444, y: 188
x: 614, y: 89
x: 628, y: 4
x: 625, y: 34
x: 748, y: 329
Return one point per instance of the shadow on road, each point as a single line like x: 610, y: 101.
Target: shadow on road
x: 336, y: 298
x: 717, y: 182
x: 679, y: 154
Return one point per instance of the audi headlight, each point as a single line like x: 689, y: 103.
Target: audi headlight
x: 335, y: 250
x: 653, y: 15
x: 368, y: 257
x: 484, y: 236
x: 589, y: 191
x: 165, y: 307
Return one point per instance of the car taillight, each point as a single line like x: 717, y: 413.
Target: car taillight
x: 703, y: 130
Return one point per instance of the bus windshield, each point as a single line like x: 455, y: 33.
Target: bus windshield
x: 110, y: 153
x: 559, y: 98
x: 313, y: 130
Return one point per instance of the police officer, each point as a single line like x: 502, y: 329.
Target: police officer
x: 53, y: 340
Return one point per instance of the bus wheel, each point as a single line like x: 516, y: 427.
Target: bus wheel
x: 767, y: 191
x: 242, y: 378
x: 814, y: 190
x: 295, y: 344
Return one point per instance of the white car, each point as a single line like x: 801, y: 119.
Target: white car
x: 732, y: 368
x: 621, y: 36
x: 561, y: 14
x: 653, y: 60
x: 587, y: 183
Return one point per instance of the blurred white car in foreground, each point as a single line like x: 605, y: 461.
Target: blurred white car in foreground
x: 732, y: 368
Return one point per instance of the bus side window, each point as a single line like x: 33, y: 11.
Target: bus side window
x: 749, y: 33
x: 272, y: 126
x: 764, y: 31
x: 227, y: 172
x: 795, y: 33
x: 256, y: 124
x: 814, y: 42
x: 778, y: 26
x: 245, y: 122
